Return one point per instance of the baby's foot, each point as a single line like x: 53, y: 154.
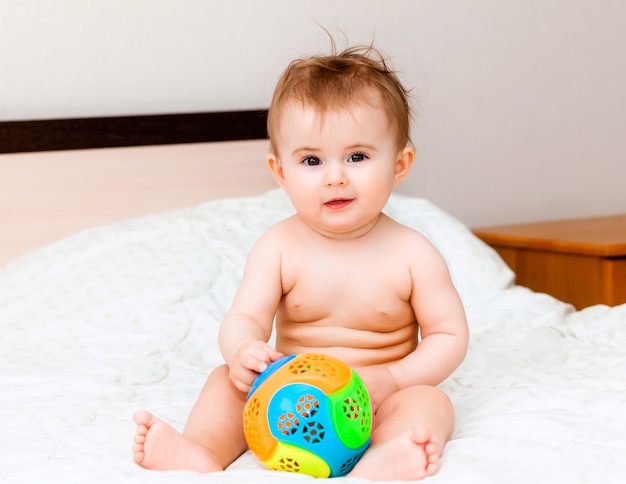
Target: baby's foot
x: 411, y: 455
x: 159, y: 446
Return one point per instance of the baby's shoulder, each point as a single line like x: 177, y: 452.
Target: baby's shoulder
x: 282, y: 228
x: 411, y: 242
x: 405, y: 233
x: 277, y: 234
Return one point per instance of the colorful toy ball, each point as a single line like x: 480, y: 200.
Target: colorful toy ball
x: 308, y: 413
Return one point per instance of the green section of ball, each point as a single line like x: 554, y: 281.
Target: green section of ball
x: 352, y: 413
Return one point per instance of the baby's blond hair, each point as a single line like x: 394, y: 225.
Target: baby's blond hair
x: 340, y: 81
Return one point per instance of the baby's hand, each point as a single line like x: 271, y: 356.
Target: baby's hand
x: 251, y: 359
x: 379, y: 382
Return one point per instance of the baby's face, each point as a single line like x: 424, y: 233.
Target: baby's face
x: 338, y: 167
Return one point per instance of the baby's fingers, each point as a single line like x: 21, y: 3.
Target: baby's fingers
x: 269, y: 354
x: 275, y: 355
x: 243, y: 379
x: 256, y: 361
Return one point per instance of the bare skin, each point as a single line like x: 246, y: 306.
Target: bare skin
x: 159, y: 446
x: 343, y: 279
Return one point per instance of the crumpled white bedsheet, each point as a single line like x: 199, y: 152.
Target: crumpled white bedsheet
x: 125, y: 316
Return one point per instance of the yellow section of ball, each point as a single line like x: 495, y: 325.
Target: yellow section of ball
x: 288, y: 458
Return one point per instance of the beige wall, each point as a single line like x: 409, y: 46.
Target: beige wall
x: 521, y: 103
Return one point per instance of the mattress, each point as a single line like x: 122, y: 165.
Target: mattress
x: 125, y: 316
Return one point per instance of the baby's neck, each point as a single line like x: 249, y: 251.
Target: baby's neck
x: 355, y: 234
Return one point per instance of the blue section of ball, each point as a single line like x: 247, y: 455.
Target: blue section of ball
x: 300, y: 415
x: 272, y: 367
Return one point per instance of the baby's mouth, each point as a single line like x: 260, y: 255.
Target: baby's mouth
x: 338, y: 203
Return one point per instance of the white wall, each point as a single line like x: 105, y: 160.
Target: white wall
x: 521, y: 103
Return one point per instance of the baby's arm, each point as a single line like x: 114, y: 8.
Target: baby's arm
x: 247, y: 326
x: 441, y: 317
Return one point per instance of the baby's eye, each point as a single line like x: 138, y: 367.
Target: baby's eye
x: 356, y: 157
x: 312, y: 161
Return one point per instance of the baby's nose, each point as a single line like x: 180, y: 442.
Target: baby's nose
x: 335, y: 175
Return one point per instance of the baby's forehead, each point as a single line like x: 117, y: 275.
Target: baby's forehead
x: 321, y: 112
x: 329, y: 101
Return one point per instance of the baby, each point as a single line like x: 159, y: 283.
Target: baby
x: 339, y: 277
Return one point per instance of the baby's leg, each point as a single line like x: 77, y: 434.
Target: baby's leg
x: 212, y: 438
x: 412, y: 426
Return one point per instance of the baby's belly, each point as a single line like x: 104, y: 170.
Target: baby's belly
x: 355, y: 347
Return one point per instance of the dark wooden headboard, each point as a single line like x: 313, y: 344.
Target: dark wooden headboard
x: 109, y: 132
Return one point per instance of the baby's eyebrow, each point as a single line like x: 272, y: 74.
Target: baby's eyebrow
x: 304, y: 149
x: 361, y: 146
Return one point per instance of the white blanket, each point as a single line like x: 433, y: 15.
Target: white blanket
x: 125, y: 317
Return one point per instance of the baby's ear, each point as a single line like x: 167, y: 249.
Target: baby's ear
x: 405, y: 160
x: 276, y: 168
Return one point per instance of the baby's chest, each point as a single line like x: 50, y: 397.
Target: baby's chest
x: 364, y: 290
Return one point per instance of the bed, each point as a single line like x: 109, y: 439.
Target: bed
x: 116, y: 274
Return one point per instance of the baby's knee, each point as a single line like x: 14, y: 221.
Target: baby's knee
x: 218, y: 378
x: 221, y: 371
x: 418, y: 406
x: 418, y: 396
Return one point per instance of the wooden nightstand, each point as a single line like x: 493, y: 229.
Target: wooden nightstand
x: 580, y: 261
